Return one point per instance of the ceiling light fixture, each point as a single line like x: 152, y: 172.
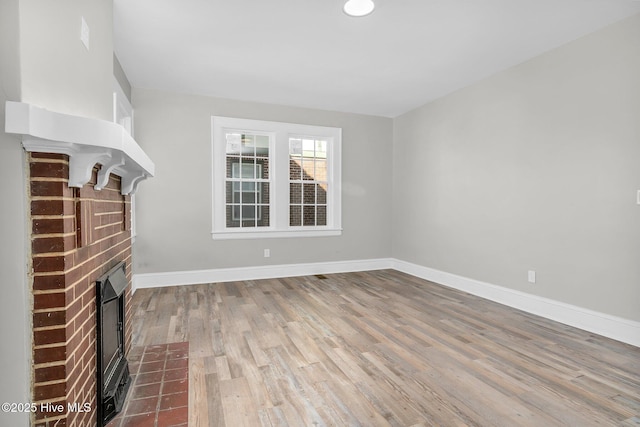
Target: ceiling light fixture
x: 358, y: 7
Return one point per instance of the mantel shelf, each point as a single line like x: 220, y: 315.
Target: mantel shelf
x: 85, y: 140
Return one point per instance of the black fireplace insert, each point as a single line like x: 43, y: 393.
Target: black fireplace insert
x: 113, y: 369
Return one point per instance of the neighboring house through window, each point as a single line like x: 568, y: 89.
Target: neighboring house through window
x: 308, y: 181
x: 273, y: 179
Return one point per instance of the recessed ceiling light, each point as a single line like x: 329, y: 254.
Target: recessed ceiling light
x: 358, y: 7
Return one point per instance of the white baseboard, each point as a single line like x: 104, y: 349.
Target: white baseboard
x: 153, y: 280
x: 617, y: 328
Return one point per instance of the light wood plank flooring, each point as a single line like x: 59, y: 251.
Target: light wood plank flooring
x: 383, y: 349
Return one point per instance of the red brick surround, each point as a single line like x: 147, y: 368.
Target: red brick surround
x: 78, y: 234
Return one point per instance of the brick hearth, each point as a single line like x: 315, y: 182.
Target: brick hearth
x: 159, y: 396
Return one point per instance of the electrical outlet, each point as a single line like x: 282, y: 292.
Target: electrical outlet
x: 84, y: 33
x: 267, y: 253
x: 531, y: 276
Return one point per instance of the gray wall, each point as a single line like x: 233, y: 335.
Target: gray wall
x: 174, y: 208
x: 58, y: 72
x: 535, y: 168
x: 15, y: 304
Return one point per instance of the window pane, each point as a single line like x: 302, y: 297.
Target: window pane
x: 248, y: 196
x: 234, y: 143
x: 248, y: 186
x: 249, y: 213
x: 232, y: 192
x: 295, y: 171
x: 322, y: 194
x: 263, y: 168
x: 233, y: 216
x: 295, y: 193
x: 309, y: 217
x: 263, y: 215
x: 263, y: 193
x: 295, y: 215
x: 321, y: 149
x: 262, y: 146
x: 248, y: 145
x: 322, y: 215
x: 309, y: 195
x: 231, y: 161
x: 308, y: 147
x: 320, y: 170
x: 245, y: 170
x: 308, y: 169
x: 295, y: 147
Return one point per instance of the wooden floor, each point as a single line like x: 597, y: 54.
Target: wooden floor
x: 383, y: 348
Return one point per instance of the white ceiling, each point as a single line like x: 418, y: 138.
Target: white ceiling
x: 308, y: 53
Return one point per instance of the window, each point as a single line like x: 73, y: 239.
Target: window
x: 247, y: 179
x: 308, y: 183
x: 273, y: 179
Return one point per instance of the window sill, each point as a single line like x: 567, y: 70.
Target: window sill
x: 275, y: 234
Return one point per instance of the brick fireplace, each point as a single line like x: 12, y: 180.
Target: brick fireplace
x: 78, y: 234
x: 81, y: 172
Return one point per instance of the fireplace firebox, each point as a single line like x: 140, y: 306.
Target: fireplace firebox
x: 113, y: 369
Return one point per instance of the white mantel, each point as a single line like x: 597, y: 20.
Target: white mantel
x: 85, y: 140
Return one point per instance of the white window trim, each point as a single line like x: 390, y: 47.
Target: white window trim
x: 279, y: 179
x: 123, y: 115
x: 122, y: 109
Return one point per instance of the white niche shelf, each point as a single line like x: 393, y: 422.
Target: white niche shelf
x: 86, y: 141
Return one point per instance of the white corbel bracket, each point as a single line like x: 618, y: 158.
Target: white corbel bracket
x: 108, y: 167
x: 81, y: 166
x: 85, y: 140
x: 130, y: 180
